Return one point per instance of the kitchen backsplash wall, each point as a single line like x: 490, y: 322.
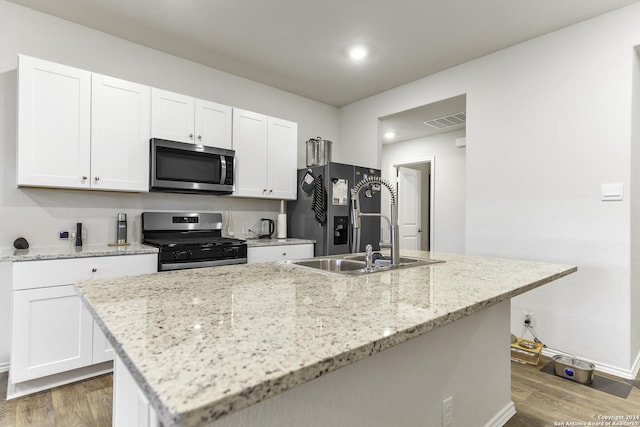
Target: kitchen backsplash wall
x: 53, y: 210
x: 38, y: 214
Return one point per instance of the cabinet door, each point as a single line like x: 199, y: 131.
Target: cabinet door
x: 54, y: 124
x: 282, y: 159
x: 131, y: 407
x: 212, y: 124
x: 172, y: 116
x: 120, y: 132
x: 250, y: 144
x: 52, y: 332
x: 102, y: 349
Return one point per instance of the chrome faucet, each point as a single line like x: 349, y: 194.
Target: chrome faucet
x: 368, y: 256
x: 393, y: 223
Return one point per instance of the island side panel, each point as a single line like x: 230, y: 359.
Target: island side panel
x: 405, y: 385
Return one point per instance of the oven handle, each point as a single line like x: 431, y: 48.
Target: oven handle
x: 183, y: 265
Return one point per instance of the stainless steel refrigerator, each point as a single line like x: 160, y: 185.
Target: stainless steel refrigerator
x: 335, y: 236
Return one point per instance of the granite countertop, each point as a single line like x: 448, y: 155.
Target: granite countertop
x: 256, y: 243
x: 49, y: 253
x: 204, y: 343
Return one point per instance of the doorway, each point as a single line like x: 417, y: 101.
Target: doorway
x: 415, y: 187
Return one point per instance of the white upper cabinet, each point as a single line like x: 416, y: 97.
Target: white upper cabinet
x: 212, y: 124
x: 182, y: 118
x: 81, y: 130
x: 54, y: 124
x: 120, y: 132
x: 250, y: 145
x: 266, y: 156
x: 283, y: 157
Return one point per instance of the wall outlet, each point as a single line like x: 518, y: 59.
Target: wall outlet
x: 527, y: 319
x: 447, y: 412
x: 67, y: 235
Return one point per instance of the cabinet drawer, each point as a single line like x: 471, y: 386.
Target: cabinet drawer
x: 38, y: 274
x: 279, y: 253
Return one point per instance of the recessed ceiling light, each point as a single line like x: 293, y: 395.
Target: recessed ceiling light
x: 358, y: 53
x: 390, y: 135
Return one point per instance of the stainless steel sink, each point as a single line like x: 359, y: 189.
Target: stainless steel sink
x: 354, y: 264
x: 328, y: 264
x: 403, y: 260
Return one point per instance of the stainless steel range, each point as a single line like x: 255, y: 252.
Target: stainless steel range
x: 190, y: 240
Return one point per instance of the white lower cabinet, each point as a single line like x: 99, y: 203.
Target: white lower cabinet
x: 102, y: 349
x: 52, y: 330
x: 279, y: 253
x: 131, y: 407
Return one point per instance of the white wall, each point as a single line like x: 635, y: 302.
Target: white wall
x: 38, y: 214
x: 449, y: 181
x: 549, y: 121
x: 635, y: 211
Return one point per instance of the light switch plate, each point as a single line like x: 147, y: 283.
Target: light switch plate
x: 612, y: 191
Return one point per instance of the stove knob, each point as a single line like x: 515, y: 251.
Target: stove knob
x: 186, y: 254
x: 230, y: 251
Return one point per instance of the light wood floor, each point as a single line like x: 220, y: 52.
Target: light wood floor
x: 541, y: 400
x: 81, y: 404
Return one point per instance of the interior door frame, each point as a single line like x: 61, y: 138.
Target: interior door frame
x: 393, y: 172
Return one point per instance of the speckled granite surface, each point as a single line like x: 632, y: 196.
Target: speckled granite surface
x: 204, y: 343
x: 256, y: 243
x: 35, y: 254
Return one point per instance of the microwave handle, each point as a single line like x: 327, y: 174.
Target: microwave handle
x: 223, y: 169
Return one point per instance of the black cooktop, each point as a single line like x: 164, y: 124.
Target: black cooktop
x: 192, y: 241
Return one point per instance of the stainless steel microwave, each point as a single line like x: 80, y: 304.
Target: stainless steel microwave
x: 190, y: 168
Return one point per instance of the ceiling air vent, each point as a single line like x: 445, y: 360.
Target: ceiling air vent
x: 447, y: 121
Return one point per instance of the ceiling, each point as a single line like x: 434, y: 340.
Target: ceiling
x: 410, y: 124
x: 301, y: 46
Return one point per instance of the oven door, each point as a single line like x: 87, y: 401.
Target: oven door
x: 190, y: 168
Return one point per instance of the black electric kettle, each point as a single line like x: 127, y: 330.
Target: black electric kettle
x: 267, y: 227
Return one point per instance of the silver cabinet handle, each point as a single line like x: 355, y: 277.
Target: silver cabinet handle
x: 93, y: 270
x: 84, y: 178
x: 190, y: 136
x: 97, y: 178
x: 199, y: 137
x: 270, y: 191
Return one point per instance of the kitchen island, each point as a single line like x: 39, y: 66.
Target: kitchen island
x: 273, y: 344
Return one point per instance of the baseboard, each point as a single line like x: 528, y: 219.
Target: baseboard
x: 4, y: 367
x: 628, y: 374
x: 25, y: 388
x: 635, y: 368
x: 503, y: 416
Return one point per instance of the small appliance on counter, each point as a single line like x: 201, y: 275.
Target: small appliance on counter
x: 267, y: 227
x: 190, y: 240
